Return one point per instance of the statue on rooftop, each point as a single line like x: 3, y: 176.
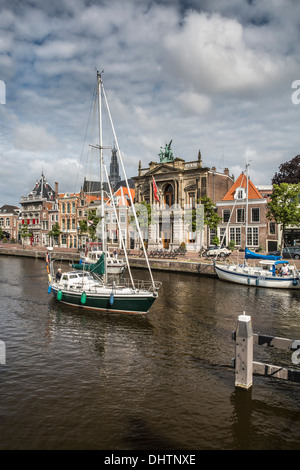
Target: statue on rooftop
x: 166, y: 154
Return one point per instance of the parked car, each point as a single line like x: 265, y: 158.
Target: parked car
x: 288, y: 252
x: 218, y: 251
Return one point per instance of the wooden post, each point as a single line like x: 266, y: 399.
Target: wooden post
x: 244, y: 353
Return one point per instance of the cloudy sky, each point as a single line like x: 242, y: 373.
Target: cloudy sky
x: 212, y: 75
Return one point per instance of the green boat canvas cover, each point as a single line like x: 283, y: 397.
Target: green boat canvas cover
x: 97, y: 268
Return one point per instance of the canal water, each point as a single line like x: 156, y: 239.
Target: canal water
x: 77, y: 379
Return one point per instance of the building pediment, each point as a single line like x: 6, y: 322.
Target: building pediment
x: 162, y: 169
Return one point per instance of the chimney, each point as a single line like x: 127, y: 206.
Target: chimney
x: 226, y: 171
x: 56, y: 190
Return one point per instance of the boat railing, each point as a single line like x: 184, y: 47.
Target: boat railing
x: 138, y: 284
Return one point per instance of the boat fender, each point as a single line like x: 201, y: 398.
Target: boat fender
x: 111, y: 299
x: 49, y: 289
x: 295, y: 282
x: 49, y: 277
x: 257, y: 282
x: 248, y: 280
x: 83, y: 298
x: 59, y: 295
x: 80, y: 261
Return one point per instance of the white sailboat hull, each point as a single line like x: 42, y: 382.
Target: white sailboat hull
x: 255, y: 276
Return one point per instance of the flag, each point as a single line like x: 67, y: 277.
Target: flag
x: 155, y: 189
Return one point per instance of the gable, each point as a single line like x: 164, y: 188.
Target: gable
x: 241, y: 182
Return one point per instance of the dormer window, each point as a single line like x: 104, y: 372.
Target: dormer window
x: 240, y: 193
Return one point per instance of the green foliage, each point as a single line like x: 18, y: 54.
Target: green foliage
x: 55, y: 232
x: 89, y: 225
x: 231, y: 245
x: 283, y: 207
x: 25, y: 233
x: 211, y: 218
x: 215, y: 240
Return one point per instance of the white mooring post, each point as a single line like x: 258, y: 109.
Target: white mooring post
x: 244, y: 352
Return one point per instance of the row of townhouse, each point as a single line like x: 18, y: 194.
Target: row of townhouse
x: 50, y: 218
x: 165, y: 186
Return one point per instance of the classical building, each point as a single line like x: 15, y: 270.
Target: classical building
x: 173, y: 187
x: 35, y: 212
x: 233, y: 209
x: 9, y: 221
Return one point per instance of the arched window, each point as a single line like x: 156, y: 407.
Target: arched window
x: 169, y: 195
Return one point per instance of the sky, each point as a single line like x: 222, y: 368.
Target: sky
x: 210, y: 75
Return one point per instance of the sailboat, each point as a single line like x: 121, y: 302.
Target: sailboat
x: 93, y: 253
x: 88, y: 286
x: 272, y: 271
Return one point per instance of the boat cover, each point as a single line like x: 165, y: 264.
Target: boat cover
x: 251, y: 255
x: 97, y: 268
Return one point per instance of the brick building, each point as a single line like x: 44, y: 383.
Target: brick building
x: 9, y: 221
x: 233, y: 209
x: 35, y: 212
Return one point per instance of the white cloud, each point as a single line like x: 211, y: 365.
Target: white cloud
x: 33, y: 137
x: 216, y: 77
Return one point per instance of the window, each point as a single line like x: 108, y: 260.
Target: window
x: 255, y: 214
x: 240, y: 193
x: 123, y: 217
x: 7, y: 222
x: 272, y: 228
x: 252, y: 236
x: 226, y: 215
x: 235, y: 235
x: 240, y: 215
x: 1, y: 222
x: 191, y: 199
x: 63, y: 208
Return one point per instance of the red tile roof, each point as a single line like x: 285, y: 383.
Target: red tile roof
x: 241, y: 182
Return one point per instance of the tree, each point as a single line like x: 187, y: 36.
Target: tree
x: 211, y: 218
x: 55, y: 232
x: 89, y: 225
x: 283, y: 207
x: 289, y: 172
x: 25, y: 233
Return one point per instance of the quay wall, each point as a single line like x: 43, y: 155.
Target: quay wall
x: 177, y: 265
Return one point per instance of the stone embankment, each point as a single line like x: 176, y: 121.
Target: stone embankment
x: 189, y: 263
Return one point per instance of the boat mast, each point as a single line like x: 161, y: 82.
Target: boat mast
x: 99, y: 80
x: 127, y: 185
x: 247, y: 197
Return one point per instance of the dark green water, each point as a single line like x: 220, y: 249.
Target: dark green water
x: 77, y: 379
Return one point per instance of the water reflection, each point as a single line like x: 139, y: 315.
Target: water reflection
x: 159, y: 381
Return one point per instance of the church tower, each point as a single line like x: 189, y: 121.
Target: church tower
x: 114, y: 174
